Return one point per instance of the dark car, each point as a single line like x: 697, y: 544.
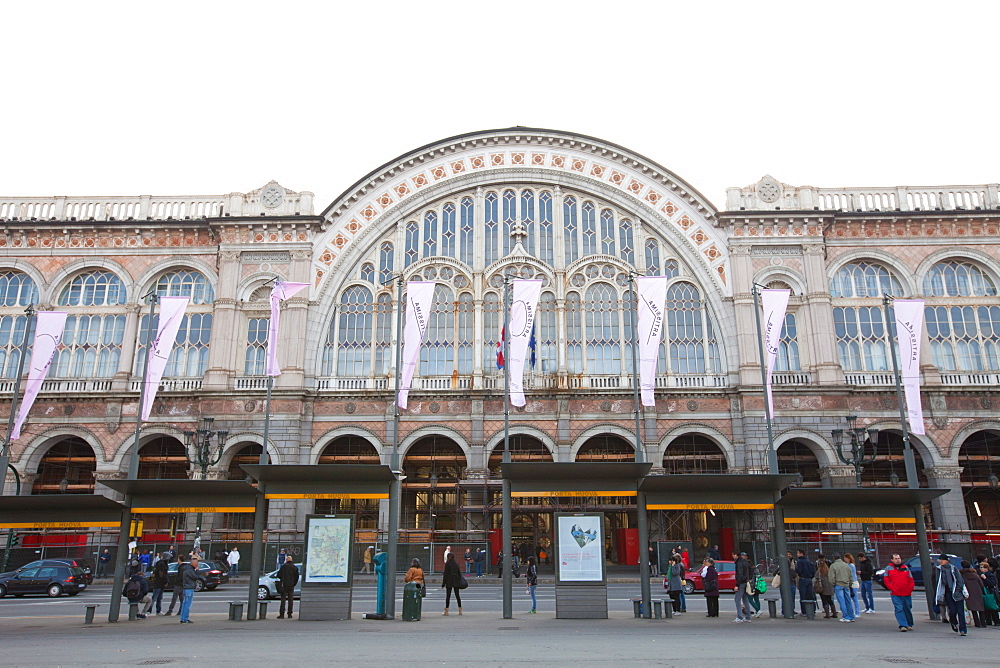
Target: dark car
x: 913, y: 563
x: 207, y: 569
x: 52, y: 580
x: 72, y: 562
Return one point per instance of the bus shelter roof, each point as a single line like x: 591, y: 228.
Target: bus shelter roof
x: 53, y: 511
x: 713, y: 491
x: 864, y: 505
x: 323, y: 481
x: 187, y: 496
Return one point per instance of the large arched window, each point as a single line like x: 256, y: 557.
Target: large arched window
x: 690, y: 340
x: 350, y: 335
x: 17, y: 291
x: 858, y: 319
x: 67, y: 468
x: 962, y: 313
x: 437, y: 353
x: 604, y: 333
x: 189, y: 357
x: 95, y: 326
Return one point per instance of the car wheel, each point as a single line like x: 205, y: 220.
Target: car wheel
x: 199, y: 585
x: 262, y: 593
x: 688, y: 589
x: 54, y: 591
x: 3, y: 591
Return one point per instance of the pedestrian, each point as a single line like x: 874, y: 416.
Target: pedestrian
x: 524, y: 551
x: 675, y: 586
x: 467, y: 558
x: 866, y: 571
x: 415, y: 574
x: 951, y: 593
x: 447, y: 552
x: 742, y: 597
x: 714, y: 554
x: 515, y: 562
x: 366, y: 559
x: 500, y: 564
x: 288, y: 577
x: 158, y: 581
x: 136, y: 590
x: 170, y: 554
x: 754, y: 587
x: 842, y: 580
x: 531, y: 575
x: 450, y: 582
x: 651, y: 556
x: 855, y: 584
x: 974, y: 595
x: 234, y: 562
x: 805, y: 571
x: 134, y: 565
x: 710, y: 583
x: 189, y: 581
x: 990, y: 594
x: 824, y: 587
x: 793, y: 582
x: 178, y: 592
x: 899, y: 581
x: 480, y: 557
x: 102, y: 563
x: 144, y: 561
x: 281, y: 558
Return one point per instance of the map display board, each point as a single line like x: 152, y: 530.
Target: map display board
x: 580, y: 547
x: 329, y: 539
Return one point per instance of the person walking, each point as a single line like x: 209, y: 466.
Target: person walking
x: 805, y: 571
x: 974, y: 595
x: 855, y: 584
x: 467, y: 558
x: 675, y: 586
x: 288, y: 577
x: 450, y: 582
x: 281, y: 558
x: 366, y: 559
x: 234, y: 562
x: 899, y: 581
x: 178, y: 593
x: 950, y: 592
x: 189, y: 581
x: 480, y: 557
x: 866, y: 571
x: 102, y: 563
x: 158, y: 581
x: 710, y: 582
x: 990, y: 593
x: 531, y: 575
x: 842, y: 581
x: 824, y: 587
x: 742, y: 597
x: 500, y: 565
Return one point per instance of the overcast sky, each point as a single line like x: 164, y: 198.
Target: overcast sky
x: 178, y: 98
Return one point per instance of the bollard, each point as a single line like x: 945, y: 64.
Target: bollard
x: 236, y: 611
x: 668, y: 609
x: 772, y: 608
x: 810, y: 608
x: 133, y: 611
x: 262, y: 610
x: 88, y: 616
x: 637, y: 607
x: 657, y: 608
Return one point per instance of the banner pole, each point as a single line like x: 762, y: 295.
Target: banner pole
x: 508, y: 562
x: 640, y: 499
x: 5, y: 451
x: 396, y: 485
x: 260, y: 512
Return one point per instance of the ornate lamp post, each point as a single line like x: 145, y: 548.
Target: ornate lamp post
x: 199, y: 445
x: 858, y: 457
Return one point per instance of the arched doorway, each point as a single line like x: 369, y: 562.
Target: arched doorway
x: 351, y: 449
x: 67, y: 468
x: 696, y: 530
x: 246, y: 453
x: 531, y: 519
x: 432, y: 466
x: 606, y: 448
x: 797, y: 458
x: 694, y: 453
x: 979, y: 457
x: 163, y: 458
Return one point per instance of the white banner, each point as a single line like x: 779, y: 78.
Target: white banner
x: 171, y: 314
x: 48, y: 333
x: 775, y: 302
x: 419, y: 297
x: 281, y: 291
x: 523, y: 305
x: 652, y: 302
x: 909, y: 326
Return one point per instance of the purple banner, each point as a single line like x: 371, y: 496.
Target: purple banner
x: 48, y: 334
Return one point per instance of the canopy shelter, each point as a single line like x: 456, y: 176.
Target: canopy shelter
x: 187, y: 496
x: 59, y: 511
x: 323, y: 481
x: 865, y: 505
x: 574, y: 479
x: 722, y: 491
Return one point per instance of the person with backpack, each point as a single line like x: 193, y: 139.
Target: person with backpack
x: 158, y: 582
x: 136, y: 590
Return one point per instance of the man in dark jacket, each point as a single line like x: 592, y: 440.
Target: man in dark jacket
x: 136, y: 590
x: 288, y: 577
x: 866, y: 571
x: 158, y: 581
x: 744, y: 613
x: 189, y: 582
x: 805, y: 570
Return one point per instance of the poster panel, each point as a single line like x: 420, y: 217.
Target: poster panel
x: 329, y: 539
x: 580, y: 547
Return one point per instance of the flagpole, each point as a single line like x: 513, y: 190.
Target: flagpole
x: 5, y: 451
x: 507, y: 566
x: 395, y: 487
x: 133, y: 469
x: 640, y: 497
x: 909, y: 460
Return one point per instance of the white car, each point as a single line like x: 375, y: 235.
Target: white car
x: 268, y: 585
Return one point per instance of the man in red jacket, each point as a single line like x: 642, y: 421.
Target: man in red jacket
x: 899, y: 581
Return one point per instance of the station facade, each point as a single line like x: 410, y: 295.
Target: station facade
x: 577, y: 212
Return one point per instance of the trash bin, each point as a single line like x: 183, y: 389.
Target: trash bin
x: 412, y: 602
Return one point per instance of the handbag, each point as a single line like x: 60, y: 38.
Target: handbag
x: 684, y: 583
x: 990, y: 600
x: 965, y: 592
x: 818, y: 585
x: 422, y: 590
x: 462, y: 582
x: 751, y: 588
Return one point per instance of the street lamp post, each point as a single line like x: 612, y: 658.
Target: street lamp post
x: 199, y: 445
x: 858, y: 456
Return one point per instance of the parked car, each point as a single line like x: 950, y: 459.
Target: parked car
x: 53, y: 580
x: 72, y: 562
x: 212, y: 574
x: 267, y: 585
x: 727, y: 578
x: 913, y: 563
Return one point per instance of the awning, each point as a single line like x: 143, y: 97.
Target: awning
x: 59, y: 511
x: 573, y: 479
x: 187, y: 496
x: 323, y: 481
x: 865, y: 505
x: 721, y: 491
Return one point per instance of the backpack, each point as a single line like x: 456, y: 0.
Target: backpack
x: 132, y: 590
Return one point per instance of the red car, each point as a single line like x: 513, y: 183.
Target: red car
x: 727, y: 578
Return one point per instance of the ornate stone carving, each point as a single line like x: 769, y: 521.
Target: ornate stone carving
x: 944, y: 472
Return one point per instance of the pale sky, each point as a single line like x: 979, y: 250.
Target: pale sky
x: 179, y: 98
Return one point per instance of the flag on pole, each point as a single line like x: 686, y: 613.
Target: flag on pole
x: 909, y: 323
x: 532, y: 347
x: 171, y: 313
x: 775, y: 303
x: 503, y: 333
x: 652, y: 303
x: 524, y: 304
x: 48, y: 333
x: 281, y: 291
x: 419, y: 298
